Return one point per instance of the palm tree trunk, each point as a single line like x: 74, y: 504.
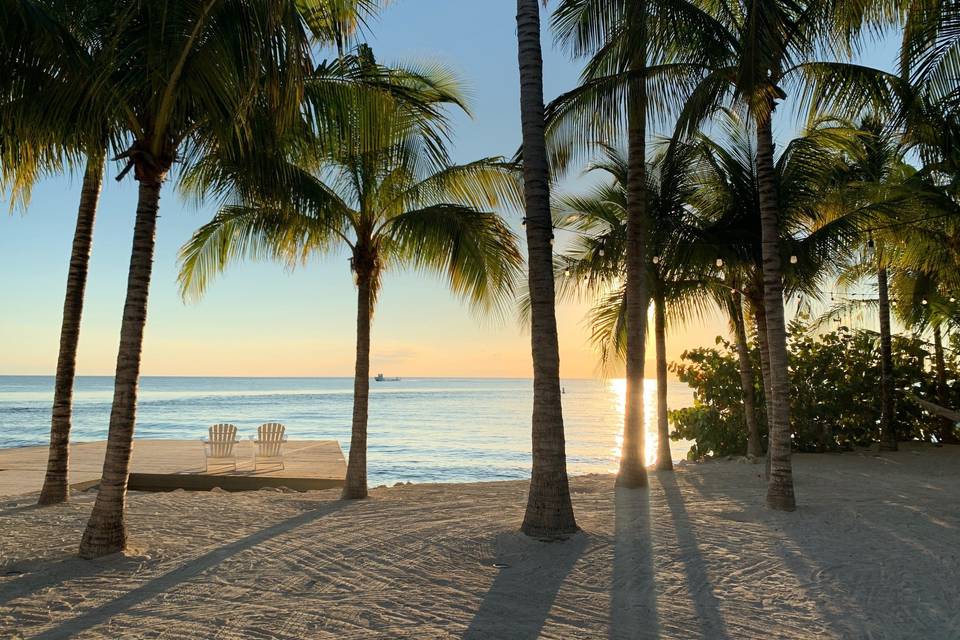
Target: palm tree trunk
x: 355, y: 486
x: 780, y: 494
x: 549, y: 512
x: 754, y: 448
x: 764, y: 359
x: 888, y: 433
x: 946, y: 426
x: 55, y: 486
x: 664, y: 459
x: 106, y: 530
x: 633, y: 471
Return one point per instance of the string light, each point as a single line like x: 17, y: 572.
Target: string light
x: 793, y: 259
x: 923, y: 302
x: 601, y: 252
x: 566, y: 273
x: 656, y: 259
x: 719, y: 262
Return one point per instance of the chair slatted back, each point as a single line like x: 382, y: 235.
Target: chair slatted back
x: 270, y: 439
x: 222, y: 438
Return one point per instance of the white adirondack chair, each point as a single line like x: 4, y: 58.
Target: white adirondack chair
x: 268, y: 447
x: 220, y: 446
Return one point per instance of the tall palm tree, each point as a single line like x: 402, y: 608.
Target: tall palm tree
x: 549, y: 511
x: 181, y: 79
x: 727, y: 202
x: 394, y: 203
x: 775, y: 44
x: 44, y: 47
x: 639, y: 60
x: 876, y: 178
x: 596, y: 263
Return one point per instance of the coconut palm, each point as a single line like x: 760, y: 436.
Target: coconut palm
x: 181, y: 78
x: 44, y: 47
x: 596, y: 262
x: 638, y: 63
x: 727, y: 201
x: 775, y: 47
x: 396, y: 203
x: 549, y: 512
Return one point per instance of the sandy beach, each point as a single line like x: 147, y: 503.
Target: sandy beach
x: 871, y: 553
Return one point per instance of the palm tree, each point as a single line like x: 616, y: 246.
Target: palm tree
x: 400, y: 203
x: 637, y: 51
x: 42, y: 52
x: 549, y: 512
x: 180, y: 79
x: 876, y: 178
x: 727, y: 201
x: 596, y: 263
x: 774, y: 46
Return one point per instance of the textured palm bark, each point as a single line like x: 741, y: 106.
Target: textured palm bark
x: 633, y: 472
x: 664, y: 458
x: 355, y: 486
x: 106, y: 530
x: 764, y: 357
x: 764, y: 375
x: 888, y: 431
x: 549, y: 512
x: 55, y: 485
x: 947, y: 428
x: 754, y: 446
x: 780, y: 493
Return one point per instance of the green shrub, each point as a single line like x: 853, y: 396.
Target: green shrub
x: 835, y: 392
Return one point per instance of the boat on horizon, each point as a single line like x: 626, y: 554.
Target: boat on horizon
x: 381, y: 378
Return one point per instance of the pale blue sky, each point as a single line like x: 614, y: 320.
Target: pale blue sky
x: 260, y: 320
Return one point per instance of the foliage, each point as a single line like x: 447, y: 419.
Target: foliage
x: 835, y: 405
x: 715, y: 423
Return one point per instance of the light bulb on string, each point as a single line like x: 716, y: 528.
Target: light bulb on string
x: 566, y: 273
x: 601, y: 252
x: 924, y: 302
x: 719, y: 262
x: 656, y: 259
x: 793, y: 259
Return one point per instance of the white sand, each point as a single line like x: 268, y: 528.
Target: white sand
x: 871, y: 553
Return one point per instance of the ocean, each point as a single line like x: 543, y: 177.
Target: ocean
x: 420, y: 429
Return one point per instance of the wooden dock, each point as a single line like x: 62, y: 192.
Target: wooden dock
x: 165, y: 465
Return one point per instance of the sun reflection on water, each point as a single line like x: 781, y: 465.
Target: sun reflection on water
x: 618, y: 395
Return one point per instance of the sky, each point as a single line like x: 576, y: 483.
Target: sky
x: 260, y: 319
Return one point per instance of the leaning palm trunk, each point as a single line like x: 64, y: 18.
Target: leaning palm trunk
x: 888, y: 434
x: 754, y: 448
x: 664, y: 459
x: 780, y: 493
x: 946, y: 426
x: 549, y: 510
x: 55, y: 485
x: 106, y: 530
x: 633, y: 472
x: 355, y: 486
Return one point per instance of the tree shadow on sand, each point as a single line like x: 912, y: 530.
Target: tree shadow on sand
x: 705, y: 602
x: 192, y: 568
x: 518, y: 602
x: 633, y: 593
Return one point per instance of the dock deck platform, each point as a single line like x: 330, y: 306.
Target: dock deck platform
x: 165, y: 465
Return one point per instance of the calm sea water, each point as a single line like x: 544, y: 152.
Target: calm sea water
x: 420, y: 430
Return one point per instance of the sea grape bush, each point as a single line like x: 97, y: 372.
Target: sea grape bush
x: 835, y: 397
